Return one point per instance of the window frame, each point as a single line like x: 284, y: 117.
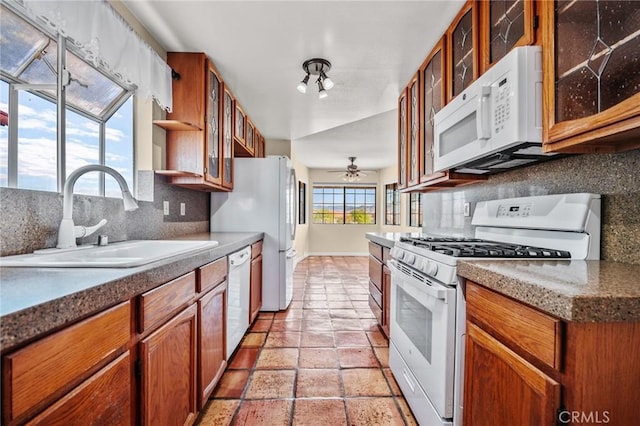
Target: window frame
x: 393, y: 205
x: 411, y: 211
x: 15, y: 85
x: 344, y: 189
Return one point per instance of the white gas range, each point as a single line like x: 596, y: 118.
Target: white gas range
x: 427, y: 329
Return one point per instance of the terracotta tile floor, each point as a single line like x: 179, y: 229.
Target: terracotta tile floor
x: 323, y: 361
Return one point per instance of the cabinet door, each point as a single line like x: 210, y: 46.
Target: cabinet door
x: 211, y: 342
x: 168, y: 385
x: 503, y: 26
x: 103, y: 399
x: 256, y: 288
x: 239, y: 124
x: 403, y: 109
x: 413, y: 93
x: 462, y: 50
x: 591, y: 75
x: 250, y: 142
x: 213, y: 142
x: 433, y: 95
x: 386, y: 299
x: 227, y: 139
x: 502, y: 388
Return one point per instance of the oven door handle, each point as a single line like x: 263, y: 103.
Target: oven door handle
x: 425, y: 287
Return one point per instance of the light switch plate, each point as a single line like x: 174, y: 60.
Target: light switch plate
x: 165, y: 208
x: 182, y: 209
x: 467, y: 210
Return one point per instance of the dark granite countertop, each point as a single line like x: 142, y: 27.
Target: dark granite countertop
x: 34, y: 301
x: 387, y: 239
x: 577, y: 290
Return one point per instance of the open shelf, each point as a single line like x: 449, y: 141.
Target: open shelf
x: 176, y: 125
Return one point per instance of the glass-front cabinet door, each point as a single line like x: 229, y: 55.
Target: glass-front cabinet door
x: 239, y: 126
x: 250, y: 140
x: 227, y: 139
x: 433, y: 94
x: 414, y: 130
x: 462, y: 42
x: 506, y: 24
x: 403, y: 107
x: 213, y: 141
x: 591, y: 75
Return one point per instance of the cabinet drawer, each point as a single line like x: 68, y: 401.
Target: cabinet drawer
x: 53, y: 365
x: 375, y: 250
x: 386, y: 254
x: 256, y: 249
x: 519, y: 326
x: 375, y: 272
x: 212, y: 274
x: 375, y: 309
x: 103, y: 399
x: 161, y: 303
x: 375, y: 293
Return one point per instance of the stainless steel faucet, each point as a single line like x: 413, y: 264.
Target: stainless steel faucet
x: 68, y: 231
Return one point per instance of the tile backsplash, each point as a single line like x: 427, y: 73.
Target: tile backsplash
x: 30, y: 219
x: 615, y: 176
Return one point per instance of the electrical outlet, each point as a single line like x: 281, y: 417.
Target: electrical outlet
x: 182, y: 209
x: 467, y: 210
x: 165, y: 208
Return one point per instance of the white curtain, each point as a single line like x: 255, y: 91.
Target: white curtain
x: 105, y: 39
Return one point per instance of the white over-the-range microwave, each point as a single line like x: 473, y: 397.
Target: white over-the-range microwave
x: 496, y: 123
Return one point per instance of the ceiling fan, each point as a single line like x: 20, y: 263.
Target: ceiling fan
x: 352, y: 173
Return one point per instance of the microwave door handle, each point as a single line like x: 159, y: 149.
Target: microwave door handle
x: 482, y: 123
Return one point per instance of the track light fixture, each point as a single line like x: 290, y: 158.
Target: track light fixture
x: 319, y: 67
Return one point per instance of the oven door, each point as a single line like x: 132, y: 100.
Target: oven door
x: 422, y: 328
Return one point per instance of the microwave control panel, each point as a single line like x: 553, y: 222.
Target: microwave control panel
x: 502, y: 111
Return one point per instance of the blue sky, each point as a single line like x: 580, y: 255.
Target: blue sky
x: 37, y: 145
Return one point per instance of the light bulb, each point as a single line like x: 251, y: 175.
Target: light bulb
x: 302, y: 86
x: 321, y: 92
x: 328, y: 83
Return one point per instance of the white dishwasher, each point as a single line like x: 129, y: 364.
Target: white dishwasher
x: 238, y: 297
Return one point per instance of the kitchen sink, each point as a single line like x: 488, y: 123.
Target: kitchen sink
x: 117, y: 255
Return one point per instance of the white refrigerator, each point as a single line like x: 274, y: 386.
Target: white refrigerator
x: 263, y: 200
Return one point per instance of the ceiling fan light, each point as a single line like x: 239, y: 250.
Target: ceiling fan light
x: 302, y: 86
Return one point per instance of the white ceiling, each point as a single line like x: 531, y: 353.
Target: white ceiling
x: 259, y: 46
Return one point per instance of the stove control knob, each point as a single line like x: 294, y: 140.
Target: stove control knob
x: 410, y: 258
x: 399, y: 254
x: 430, y: 268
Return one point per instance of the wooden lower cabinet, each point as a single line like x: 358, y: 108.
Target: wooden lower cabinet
x: 502, y: 388
x: 211, y: 341
x: 103, y: 399
x: 256, y: 288
x: 526, y: 367
x: 168, y: 366
x: 386, y: 299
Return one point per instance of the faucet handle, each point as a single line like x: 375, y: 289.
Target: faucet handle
x: 83, y: 231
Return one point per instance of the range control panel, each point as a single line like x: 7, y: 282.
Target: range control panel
x: 514, y: 210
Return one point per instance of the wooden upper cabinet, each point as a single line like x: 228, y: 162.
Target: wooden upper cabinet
x: 591, y: 76
x: 213, y: 138
x: 462, y: 50
x: 248, y: 147
x: 403, y: 139
x: 194, y: 138
x: 503, y: 26
x: 413, y: 127
x: 227, y: 138
x: 239, y: 124
x: 433, y: 91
